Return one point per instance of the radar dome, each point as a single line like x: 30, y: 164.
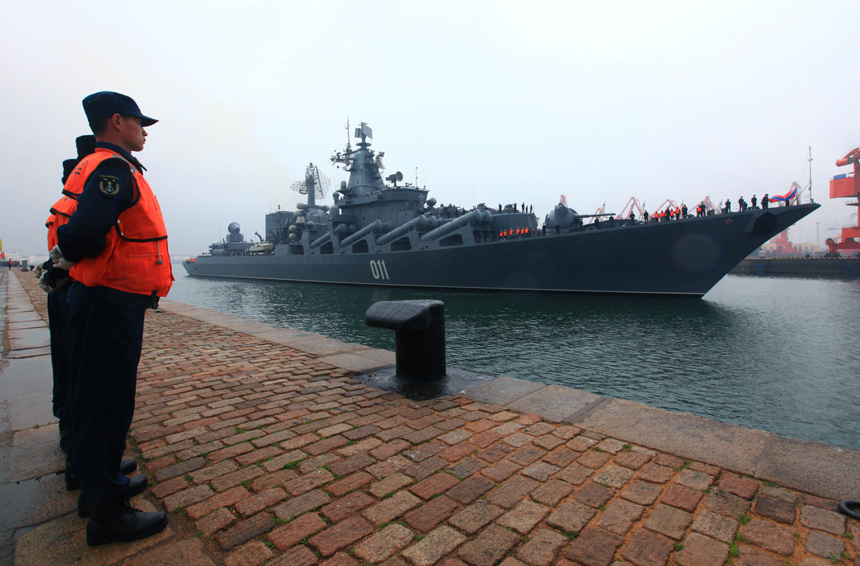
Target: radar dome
x: 234, y: 228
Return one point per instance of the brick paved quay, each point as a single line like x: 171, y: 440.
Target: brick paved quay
x: 265, y: 450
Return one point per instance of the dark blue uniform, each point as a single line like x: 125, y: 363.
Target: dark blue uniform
x: 105, y: 335
x: 58, y: 318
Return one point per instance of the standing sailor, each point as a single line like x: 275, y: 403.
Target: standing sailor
x: 54, y: 282
x: 118, y: 273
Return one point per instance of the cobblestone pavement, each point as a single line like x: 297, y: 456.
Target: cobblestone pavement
x: 264, y: 455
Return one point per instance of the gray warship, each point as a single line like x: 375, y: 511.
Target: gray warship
x: 381, y: 231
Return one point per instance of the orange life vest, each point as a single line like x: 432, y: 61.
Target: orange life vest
x: 63, y: 209
x: 60, y: 214
x: 135, y: 258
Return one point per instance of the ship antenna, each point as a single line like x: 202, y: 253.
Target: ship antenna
x: 810, y: 174
x: 348, y: 144
x: 315, y: 185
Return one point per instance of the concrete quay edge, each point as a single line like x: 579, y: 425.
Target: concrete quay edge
x: 810, y: 467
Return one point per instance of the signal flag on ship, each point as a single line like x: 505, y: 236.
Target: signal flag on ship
x: 786, y: 197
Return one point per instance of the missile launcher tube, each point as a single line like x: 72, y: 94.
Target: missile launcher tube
x: 474, y: 216
x: 418, y: 222
x: 321, y: 240
x: 377, y: 225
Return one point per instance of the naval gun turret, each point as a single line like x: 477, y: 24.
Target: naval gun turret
x: 562, y: 216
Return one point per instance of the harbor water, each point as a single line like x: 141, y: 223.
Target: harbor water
x: 777, y: 354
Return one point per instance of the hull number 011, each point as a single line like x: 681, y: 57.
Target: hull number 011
x: 378, y: 270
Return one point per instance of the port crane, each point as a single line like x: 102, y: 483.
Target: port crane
x: 635, y: 204
x: 847, y: 185
x: 628, y: 208
x: 708, y: 204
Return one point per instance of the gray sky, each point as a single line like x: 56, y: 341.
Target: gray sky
x: 491, y: 101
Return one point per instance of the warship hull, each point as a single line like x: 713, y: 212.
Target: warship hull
x: 684, y: 257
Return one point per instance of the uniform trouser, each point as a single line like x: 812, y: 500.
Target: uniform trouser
x: 58, y: 316
x: 106, y: 335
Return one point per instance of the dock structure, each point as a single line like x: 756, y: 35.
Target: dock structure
x: 831, y: 267
x: 265, y: 449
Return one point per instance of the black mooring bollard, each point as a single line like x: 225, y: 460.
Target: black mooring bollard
x: 419, y: 336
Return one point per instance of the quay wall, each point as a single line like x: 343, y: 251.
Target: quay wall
x: 847, y: 268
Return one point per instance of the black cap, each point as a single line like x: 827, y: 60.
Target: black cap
x: 105, y: 104
x: 69, y: 166
x: 86, y: 145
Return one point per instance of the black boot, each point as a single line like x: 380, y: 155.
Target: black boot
x: 127, y: 466
x: 135, y: 487
x: 120, y: 522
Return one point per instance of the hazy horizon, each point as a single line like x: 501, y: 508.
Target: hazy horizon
x: 495, y: 102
